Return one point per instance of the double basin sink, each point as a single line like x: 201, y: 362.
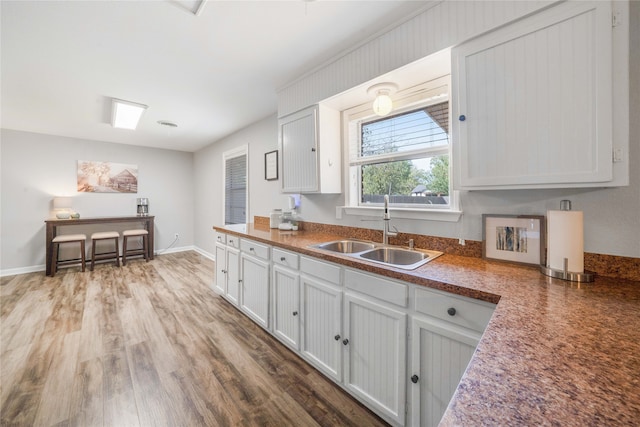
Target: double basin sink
x: 408, y: 259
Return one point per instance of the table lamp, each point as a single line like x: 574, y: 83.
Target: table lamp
x: 62, y: 207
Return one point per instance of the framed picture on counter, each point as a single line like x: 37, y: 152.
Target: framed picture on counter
x: 271, y: 165
x: 514, y: 238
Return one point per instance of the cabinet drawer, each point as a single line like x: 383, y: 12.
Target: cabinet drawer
x: 378, y: 287
x: 459, y: 310
x: 233, y: 241
x: 221, y: 238
x: 256, y: 249
x: 286, y: 258
x: 321, y: 269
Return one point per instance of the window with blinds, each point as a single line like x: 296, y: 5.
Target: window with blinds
x: 235, y: 190
x: 405, y: 156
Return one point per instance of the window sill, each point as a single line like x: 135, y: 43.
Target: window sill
x: 404, y: 213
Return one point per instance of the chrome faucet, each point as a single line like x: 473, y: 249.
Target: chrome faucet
x: 386, y: 216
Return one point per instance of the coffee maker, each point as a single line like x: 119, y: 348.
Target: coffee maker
x: 143, y: 206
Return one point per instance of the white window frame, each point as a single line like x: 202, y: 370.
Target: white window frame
x: 424, y: 94
x: 230, y: 154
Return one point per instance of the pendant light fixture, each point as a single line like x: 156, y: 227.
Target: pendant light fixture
x: 382, y: 104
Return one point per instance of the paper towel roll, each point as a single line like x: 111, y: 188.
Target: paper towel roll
x: 565, y: 239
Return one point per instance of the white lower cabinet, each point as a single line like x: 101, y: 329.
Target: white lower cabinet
x: 353, y: 326
x: 254, y: 288
x: 440, y: 354
x: 375, y: 340
x: 220, y: 282
x: 322, y: 326
x: 286, y: 306
x: 227, y: 270
x: 233, y: 276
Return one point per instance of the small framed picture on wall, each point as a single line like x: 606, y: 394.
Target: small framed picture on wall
x: 271, y: 165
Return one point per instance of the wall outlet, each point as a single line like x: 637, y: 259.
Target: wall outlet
x: 177, y: 236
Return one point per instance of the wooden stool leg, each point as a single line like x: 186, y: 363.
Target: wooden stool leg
x: 82, y: 256
x: 117, y: 251
x: 124, y: 251
x: 93, y: 254
x: 54, y: 261
x: 145, y: 247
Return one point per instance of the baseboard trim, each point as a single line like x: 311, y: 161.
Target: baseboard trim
x: 21, y: 270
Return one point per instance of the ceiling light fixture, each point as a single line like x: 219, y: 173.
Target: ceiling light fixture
x: 126, y: 114
x: 383, y: 104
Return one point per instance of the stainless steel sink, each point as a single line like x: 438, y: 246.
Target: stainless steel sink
x: 346, y: 246
x: 400, y: 258
x: 387, y: 255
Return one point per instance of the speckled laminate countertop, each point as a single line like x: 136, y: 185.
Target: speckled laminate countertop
x: 554, y: 352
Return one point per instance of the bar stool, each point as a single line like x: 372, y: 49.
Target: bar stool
x: 137, y: 251
x: 105, y: 235
x: 55, y: 253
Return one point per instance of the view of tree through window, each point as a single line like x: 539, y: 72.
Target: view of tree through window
x: 406, y: 157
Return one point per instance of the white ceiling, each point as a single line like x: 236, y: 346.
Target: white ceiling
x: 212, y: 73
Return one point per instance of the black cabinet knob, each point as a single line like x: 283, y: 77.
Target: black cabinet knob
x: 345, y: 341
x: 313, y: 150
x: 414, y: 379
x: 337, y: 337
x: 462, y: 117
x: 451, y: 311
x: 295, y: 313
x: 282, y: 259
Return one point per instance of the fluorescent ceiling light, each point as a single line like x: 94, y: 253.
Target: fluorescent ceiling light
x: 126, y: 114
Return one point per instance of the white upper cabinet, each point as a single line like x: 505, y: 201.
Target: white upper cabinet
x: 310, y: 148
x: 532, y: 102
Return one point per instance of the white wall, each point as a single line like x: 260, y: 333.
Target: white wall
x: 261, y: 137
x: 37, y: 167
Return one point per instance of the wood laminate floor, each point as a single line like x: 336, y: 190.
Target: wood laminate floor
x: 150, y: 344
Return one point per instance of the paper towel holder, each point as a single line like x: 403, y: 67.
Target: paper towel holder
x: 565, y: 274
x: 584, y: 277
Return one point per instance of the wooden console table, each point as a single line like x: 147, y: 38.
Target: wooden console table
x: 53, y: 224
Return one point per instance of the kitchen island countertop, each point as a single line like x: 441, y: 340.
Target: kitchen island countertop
x: 554, y: 352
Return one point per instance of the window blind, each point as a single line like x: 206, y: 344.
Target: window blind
x: 415, y: 130
x: 235, y: 190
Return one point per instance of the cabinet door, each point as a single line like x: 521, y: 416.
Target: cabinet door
x: 532, y: 101
x: 322, y: 326
x: 286, y: 306
x: 439, y: 356
x: 254, y: 289
x: 298, y: 139
x: 233, y: 275
x: 375, y: 357
x: 220, y: 284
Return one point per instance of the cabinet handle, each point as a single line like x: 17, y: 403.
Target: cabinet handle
x: 224, y: 271
x: 451, y: 311
x: 240, y: 281
x: 414, y: 379
x: 295, y: 313
x: 230, y: 240
x: 337, y: 338
x: 345, y: 341
x: 462, y: 117
x: 283, y: 259
x: 251, y: 249
x: 313, y: 149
